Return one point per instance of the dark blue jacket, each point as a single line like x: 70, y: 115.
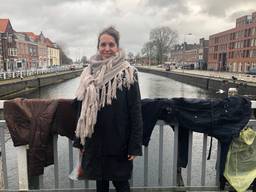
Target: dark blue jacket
x: 219, y: 118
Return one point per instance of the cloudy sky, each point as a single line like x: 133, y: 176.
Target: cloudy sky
x: 75, y: 24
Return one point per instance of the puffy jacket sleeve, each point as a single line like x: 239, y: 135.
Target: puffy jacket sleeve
x: 136, y: 126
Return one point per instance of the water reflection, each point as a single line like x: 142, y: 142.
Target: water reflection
x: 154, y: 86
x: 63, y: 90
x: 151, y: 86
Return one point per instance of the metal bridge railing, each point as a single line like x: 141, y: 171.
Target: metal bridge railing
x: 20, y: 74
x: 177, y: 182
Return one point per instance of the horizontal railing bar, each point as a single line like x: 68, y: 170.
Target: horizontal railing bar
x: 253, y: 104
x: 2, y: 104
x: 138, y: 189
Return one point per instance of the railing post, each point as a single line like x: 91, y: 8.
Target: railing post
x: 71, y: 161
x: 203, y: 170
x: 189, y: 166
x: 145, y: 166
x: 218, y: 164
x: 22, y: 167
x: 56, y: 161
x: 161, y: 146
x: 21, y: 75
x: 3, y: 155
x: 175, y: 154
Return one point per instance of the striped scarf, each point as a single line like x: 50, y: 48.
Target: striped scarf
x: 98, y: 85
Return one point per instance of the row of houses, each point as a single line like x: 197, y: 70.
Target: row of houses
x: 232, y: 50
x: 191, y: 54
x: 25, y: 50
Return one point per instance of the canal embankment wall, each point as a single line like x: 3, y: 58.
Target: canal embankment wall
x: 19, y: 87
x: 205, y: 82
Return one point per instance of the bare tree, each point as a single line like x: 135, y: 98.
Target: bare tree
x: 137, y: 58
x: 148, y: 51
x: 64, y: 59
x: 130, y: 57
x: 163, y: 38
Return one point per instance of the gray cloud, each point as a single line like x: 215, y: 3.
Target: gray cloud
x: 173, y: 6
x: 220, y: 8
x: 76, y: 23
x: 163, y: 3
x: 237, y: 14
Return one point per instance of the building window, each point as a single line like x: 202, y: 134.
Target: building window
x: 249, y: 32
x: 241, y: 44
x: 251, y: 53
x: 247, y: 52
x: 245, y: 32
x: 9, y: 39
x: 254, y: 53
x: 252, y: 42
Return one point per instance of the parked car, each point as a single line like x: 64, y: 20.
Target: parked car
x: 72, y: 67
x: 252, y: 71
x: 167, y: 68
x: 85, y: 64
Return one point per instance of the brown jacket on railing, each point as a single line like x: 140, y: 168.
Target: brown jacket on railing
x: 33, y: 122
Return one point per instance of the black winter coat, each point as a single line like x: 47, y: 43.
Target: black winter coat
x: 117, y: 133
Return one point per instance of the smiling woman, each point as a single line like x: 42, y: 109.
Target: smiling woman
x: 109, y: 128
x: 108, y: 43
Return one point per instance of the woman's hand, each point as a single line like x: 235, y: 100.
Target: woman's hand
x: 131, y: 157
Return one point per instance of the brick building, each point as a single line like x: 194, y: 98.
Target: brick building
x: 1, y: 54
x: 53, y: 53
x: 25, y: 50
x: 22, y: 51
x: 32, y: 46
x: 190, y: 54
x: 234, y: 49
x: 42, y: 50
x: 203, y: 54
x: 8, y: 46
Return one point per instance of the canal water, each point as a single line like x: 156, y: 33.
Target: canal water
x: 151, y: 86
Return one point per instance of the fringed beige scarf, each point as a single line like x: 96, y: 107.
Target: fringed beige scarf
x: 98, y: 84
